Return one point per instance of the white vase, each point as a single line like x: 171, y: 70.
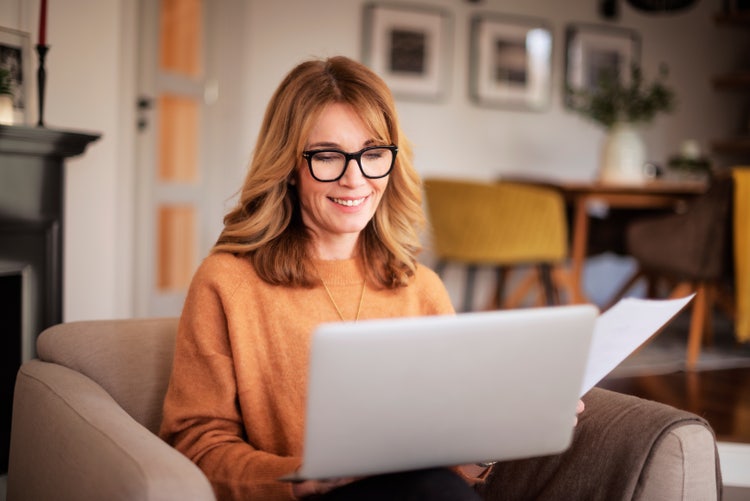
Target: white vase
x: 6, y: 109
x: 623, y: 155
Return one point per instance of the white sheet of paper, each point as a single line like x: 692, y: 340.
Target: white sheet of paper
x: 620, y: 330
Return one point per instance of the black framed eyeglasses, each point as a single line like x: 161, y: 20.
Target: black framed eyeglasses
x: 328, y: 165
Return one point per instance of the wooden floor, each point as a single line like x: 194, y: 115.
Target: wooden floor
x: 722, y: 397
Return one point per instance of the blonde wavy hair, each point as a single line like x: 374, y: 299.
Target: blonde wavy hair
x: 266, y: 223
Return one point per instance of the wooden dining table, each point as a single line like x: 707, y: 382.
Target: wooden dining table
x: 585, y: 197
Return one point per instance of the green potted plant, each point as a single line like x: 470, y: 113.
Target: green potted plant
x: 621, y: 106
x: 6, y: 97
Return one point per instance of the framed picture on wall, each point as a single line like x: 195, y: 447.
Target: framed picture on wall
x: 15, y: 56
x: 592, y: 51
x: 409, y: 47
x: 510, y: 61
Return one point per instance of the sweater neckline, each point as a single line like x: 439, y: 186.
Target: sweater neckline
x: 339, y: 271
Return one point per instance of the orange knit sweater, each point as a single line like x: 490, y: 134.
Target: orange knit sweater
x: 235, y: 402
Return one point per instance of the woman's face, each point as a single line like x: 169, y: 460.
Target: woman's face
x: 336, y: 212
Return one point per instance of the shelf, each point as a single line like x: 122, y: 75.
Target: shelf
x: 735, y: 145
x: 738, y: 18
x: 736, y: 80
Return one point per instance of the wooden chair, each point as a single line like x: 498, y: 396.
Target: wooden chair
x: 504, y: 225
x: 688, y: 252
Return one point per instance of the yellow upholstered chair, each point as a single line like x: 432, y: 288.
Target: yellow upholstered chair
x: 741, y: 233
x: 505, y: 225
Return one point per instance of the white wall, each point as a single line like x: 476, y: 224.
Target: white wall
x: 457, y: 137
x: 91, y: 75
x: 84, y: 93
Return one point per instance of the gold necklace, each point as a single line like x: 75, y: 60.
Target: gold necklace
x: 338, y: 310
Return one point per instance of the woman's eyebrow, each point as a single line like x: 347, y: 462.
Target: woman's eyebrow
x: 328, y: 144
x: 316, y: 146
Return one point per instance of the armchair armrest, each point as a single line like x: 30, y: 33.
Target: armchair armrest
x: 71, y: 440
x: 623, y: 448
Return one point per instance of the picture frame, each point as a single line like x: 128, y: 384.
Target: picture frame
x: 409, y: 47
x: 15, y: 55
x: 593, y: 49
x: 510, y: 61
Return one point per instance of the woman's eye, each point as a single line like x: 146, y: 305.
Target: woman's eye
x: 327, y: 157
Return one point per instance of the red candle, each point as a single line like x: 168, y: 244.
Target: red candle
x: 43, y: 23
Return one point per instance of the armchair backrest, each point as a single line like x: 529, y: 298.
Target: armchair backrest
x: 691, y: 245
x: 131, y: 359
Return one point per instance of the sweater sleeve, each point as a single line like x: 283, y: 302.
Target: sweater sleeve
x: 202, y: 418
x: 433, y: 291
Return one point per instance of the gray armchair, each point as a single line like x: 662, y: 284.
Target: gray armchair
x: 86, y: 413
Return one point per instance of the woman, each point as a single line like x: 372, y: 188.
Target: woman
x: 326, y: 228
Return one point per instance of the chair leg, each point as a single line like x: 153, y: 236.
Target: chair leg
x: 471, y: 272
x: 697, y: 322
x: 652, y: 285
x: 708, y: 325
x: 725, y: 302
x: 683, y: 289
x: 501, y: 277
x: 520, y: 290
x: 563, y: 283
x: 545, y: 276
x: 637, y: 275
x: 440, y: 267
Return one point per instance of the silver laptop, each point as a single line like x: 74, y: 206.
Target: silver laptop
x: 408, y: 393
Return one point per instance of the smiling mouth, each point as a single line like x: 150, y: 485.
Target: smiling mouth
x: 349, y: 202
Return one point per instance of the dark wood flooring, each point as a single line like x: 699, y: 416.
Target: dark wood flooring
x: 722, y: 397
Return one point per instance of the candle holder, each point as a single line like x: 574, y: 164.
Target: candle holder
x: 41, y: 80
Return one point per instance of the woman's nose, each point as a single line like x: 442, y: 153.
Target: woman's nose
x: 353, y: 174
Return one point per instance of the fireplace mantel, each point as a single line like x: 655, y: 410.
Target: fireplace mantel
x: 41, y: 141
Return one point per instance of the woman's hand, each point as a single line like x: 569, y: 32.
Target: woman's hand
x: 473, y: 470
x: 317, y: 487
x: 579, y: 409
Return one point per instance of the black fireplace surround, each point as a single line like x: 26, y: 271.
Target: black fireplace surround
x: 32, y: 182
